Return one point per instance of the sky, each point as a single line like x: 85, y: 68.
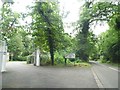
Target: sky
x: 72, y: 6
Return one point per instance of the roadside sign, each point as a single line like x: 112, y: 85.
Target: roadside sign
x: 70, y: 55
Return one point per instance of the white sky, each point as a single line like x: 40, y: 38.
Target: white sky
x: 69, y: 5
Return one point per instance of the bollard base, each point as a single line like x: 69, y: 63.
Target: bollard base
x: 3, y: 71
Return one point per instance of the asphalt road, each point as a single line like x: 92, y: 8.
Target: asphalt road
x: 21, y: 75
x: 107, y: 75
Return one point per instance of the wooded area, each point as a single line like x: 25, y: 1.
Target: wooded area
x: 46, y: 32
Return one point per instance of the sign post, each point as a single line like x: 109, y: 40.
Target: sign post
x: 68, y: 56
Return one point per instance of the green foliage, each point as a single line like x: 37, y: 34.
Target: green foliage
x: 115, y: 22
x: 8, y: 21
x: 109, y: 41
x: 15, y: 45
x: 72, y: 59
x: 45, y: 58
x: 20, y: 45
x: 41, y: 23
x: 30, y: 59
x: 21, y: 58
x: 12, y: 32
x: 59, y: 59
x: 47, y: 32
x: 47, y: 28
x: 86, y: 41
x: 103, y: 61
x: 86, y: 46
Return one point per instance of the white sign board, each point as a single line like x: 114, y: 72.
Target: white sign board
x: 71, y: 55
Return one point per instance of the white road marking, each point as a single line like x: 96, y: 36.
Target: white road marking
x: 99, y: 84
x: 114, y: 69
x: 107, y: 67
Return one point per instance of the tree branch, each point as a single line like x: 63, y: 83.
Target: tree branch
x: 12, y: 24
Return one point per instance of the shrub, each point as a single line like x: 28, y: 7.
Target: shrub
x: 24, y: 58
x: 108, y: 61
x: 103, y: 61
x: 30, y: 59
x: 45, y: 60
x: 59, y: 60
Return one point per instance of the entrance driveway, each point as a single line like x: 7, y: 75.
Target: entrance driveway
x: 21, y: 75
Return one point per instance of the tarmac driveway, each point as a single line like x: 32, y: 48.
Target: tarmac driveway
x: 22, y: 75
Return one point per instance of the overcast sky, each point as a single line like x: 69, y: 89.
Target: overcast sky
x: 72, y: 6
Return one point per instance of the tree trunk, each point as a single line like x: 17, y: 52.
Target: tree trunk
x: 51, y: 47
x: 52, y: 56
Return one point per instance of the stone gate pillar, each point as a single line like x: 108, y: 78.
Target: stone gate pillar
x: 37, y: 57
x: 3, y: 56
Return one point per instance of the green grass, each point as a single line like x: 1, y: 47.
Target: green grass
x: 83, y: 64
x: 114, y: 64
x: 72, y: 64
x: 102, y: 61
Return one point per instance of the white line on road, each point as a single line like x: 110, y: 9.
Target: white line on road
x: 97, y: 79
x: 114, y: 69
x: 106, y: 66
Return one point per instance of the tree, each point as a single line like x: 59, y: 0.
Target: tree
x: 109, y: 41
x: 83, y: 31
x: 92, y: 12
x: 9, y: 21
x: 15, y: 46
x: 47, y: 27
x: 13, y: 32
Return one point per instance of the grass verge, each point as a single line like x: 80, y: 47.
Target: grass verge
x: 110, y: 63
x: 72, y: 64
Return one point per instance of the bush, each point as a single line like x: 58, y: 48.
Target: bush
x: 45, y: 60
x: 24, y: 58
x: 30, y: 59
x: 20, y: 58
x: 103, y: 61
x: 78, y: 61
x: 59, y: 60
x: 108, y: 61
x: 72, y: 59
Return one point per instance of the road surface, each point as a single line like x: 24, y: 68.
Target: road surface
x: 107, y: 75
x: 21, y: 75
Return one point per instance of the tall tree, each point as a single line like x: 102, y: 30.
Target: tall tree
x: 47, y: 27
x: 83, y: 31
x: 12, y: 31
x: 109, y: 41
x: 8, y: 21
x: 92, y: 12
